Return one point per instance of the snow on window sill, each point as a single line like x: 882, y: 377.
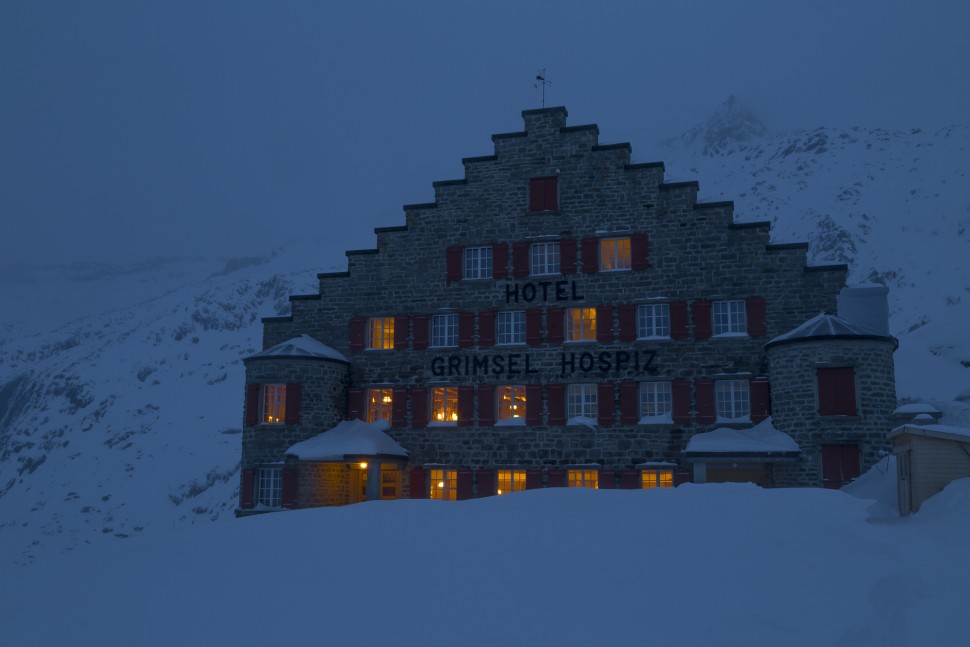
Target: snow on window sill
x: 580, y: 341
x: 443, y: 423
x: 724, y: 335
x: 617, y: 269
x: 743, y: 420
x: 510, y: 343
x: 581, y: 421
x: 654, y: 338
x: 511, y: 422
x: 656, y: 420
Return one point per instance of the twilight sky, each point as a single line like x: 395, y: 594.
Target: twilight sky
x: 131, y: 129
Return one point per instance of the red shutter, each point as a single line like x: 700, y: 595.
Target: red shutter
x: 680, y: 394
x: 520, y: 260
x: 486, y: 328
x: 466, y: 329
x: 702, y: 319
x: 500, y: 260
x: 555, y: 320
x: 464, y: 485
x: 607, y: 480
x: 419, y: 487
x: 755, y: 313
x: 419, y: 406
x: 355, y: 404
x: 591, y: 255
x: 552, y: 193
x: 420, y: 332
x: 604, y: 324
x: 533, y: 405
x: 252, y: 405
x: 454, y: 270
x: 557, y: 478
x: 836, y: 391
x: 557, y: 404
x: 533, y: 326
x: 605, y: 409
x: 567, y: 256
x: 401, y: 332
x: 678, y: 320
x: 486, y: 482
x: 466, y: 406
x: 629, y: 402
x: 247, y: 489
x: 288, y: 497
x: 760, y: 399
x: 840, y: 464
x: 399, y: 408
x: 537, y: 196
x: 638, y: 251
x: 704, y: 397
x: 682, y: 476
x: 357, y: 326
x: 628, y: 321
x: 292, y: 415
x: 533, y: 479
x: 630, y: 480
x: 486, y: 405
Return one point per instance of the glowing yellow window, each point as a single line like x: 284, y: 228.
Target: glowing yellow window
x: 444, y: 404
x: 444, y: 485
x: 511, y: 402
x: 581, y: 324
x: 273, y: 411
x: 584, y: 478
x: 614, y: 254
x: 381, y: 333
x: 378, y: 404
x: 657, y: 478
x: 510, y: 481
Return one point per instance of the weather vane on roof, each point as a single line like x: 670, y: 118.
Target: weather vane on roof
x: 542, y: 82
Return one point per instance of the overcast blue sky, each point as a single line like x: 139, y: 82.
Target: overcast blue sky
x: 135, y: 129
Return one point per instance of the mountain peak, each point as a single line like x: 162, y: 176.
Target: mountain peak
x: 730, y: 127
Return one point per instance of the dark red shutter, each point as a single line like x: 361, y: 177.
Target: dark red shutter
x: 704, y: 397
x: 420, y: 332
x: 638, y: 251
x: 355, y: 404
x: 591, y: 262
x: 627, y: 314
x: 678, y: 320
x: 486, y: 482
x: 555, y: 320
x: 520, y: 260
x: 604, y: 324
x: 605, y: 411
x: 556, y: 478
x: 247, y: 489
x: 357, y: 326
x: 399, y: 408
x: 401, y: 332
x: 702, y: 319
x: 680, y: 394
x: 454, y: 270
x: 466, y: 406
x: 288, y: 496
x: 630, y: 480
x: 500, y: 260
x: 419, y: 406
x: 607, y: 480
x: 836, y: 391
x: 840, y: 464
x: 252, y: 405
x: 533, y: 405
x: 533, y: 326
x: 557, y: 404
x: 419, y: 486
x: 567, y: 256
x: 486, y: 405
x: 760, y: 399
x: 533, y: 479
x: 537, y: 196
x: 486, y: 328
x: 292, y: 415
x: 755, y: 313
x: 466, y: 329
x: 551, y: 193
x: 682, y: 476
x: 629, y: 402
x: 464, y: 485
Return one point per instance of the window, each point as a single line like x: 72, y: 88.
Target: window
x: 581, y: 324
x: 269, y: 486
x: 653, y: 320
x: 544, y: 258
x: 836, y: 391
x: 444, y: 404
x: 444, y: 485
x: 390, y: 481
x: 510, y: 327
x: 614, y: 254
x: 729, y: 318
x: 511, y: 403
x: 656, y: 402
x: 444, y: 330
x: 733, y: 401
x: 581, y: 401
x: 510, y: 481
x: 584, y: 478
x: 478, y: 262
x: 273, y: 411
x: 652, y: 478
x: 379, y: 404
x: 543, y: 194
x: 381, y: 333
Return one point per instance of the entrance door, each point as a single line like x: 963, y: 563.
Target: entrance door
x: 840, y: 464
x: 358, y: 484
x: 390, y: 481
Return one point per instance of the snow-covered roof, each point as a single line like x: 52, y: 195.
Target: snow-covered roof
x: 349, y: 438
x: 914, y: 408
x: 946, y: 432
x: 827, y: 326
x: 303, y: 346
x: 763, y: 438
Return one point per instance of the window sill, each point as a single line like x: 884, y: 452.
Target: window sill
x: 745, y: 420
x: 579, y: 341
x: 510, y: 422
x: 510, y: 343
x: 442, y: 423
x: 730, y: 335
x: 581, y: 421
x: 442, y: 347
x: 656, y: 420
x: 619, y: 269
x: 655, y: 338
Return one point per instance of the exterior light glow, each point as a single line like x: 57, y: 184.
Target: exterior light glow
x: 363, y: 466
x: 441, y: 484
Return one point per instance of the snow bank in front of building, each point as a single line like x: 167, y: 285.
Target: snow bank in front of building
x: 762, y: 438
x: 349, y: 438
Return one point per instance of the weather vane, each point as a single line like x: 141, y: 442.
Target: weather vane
x: 542, y: 82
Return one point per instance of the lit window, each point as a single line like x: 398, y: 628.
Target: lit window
x: 581, y: 324
x: 478, y: 262
x: 510, y: 481
x: 729, y: 318
x: 614, y: 254
x: 656, y: 401
x: 381, y: 333
x: 584, y: 478
x: 511, y: 402
x: 544, y: 258
x: 653, y: 320
x: 444, y: 404
x: 269, y: 486
x: 657, y: 478
x: 390, y: 481
x: 733, y: 401
x: 444, y: 485
x: 378, y: 404
x: 581, y: 401
x: 444, y: 330
x: 274, y: 404
x: 510, y: 327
